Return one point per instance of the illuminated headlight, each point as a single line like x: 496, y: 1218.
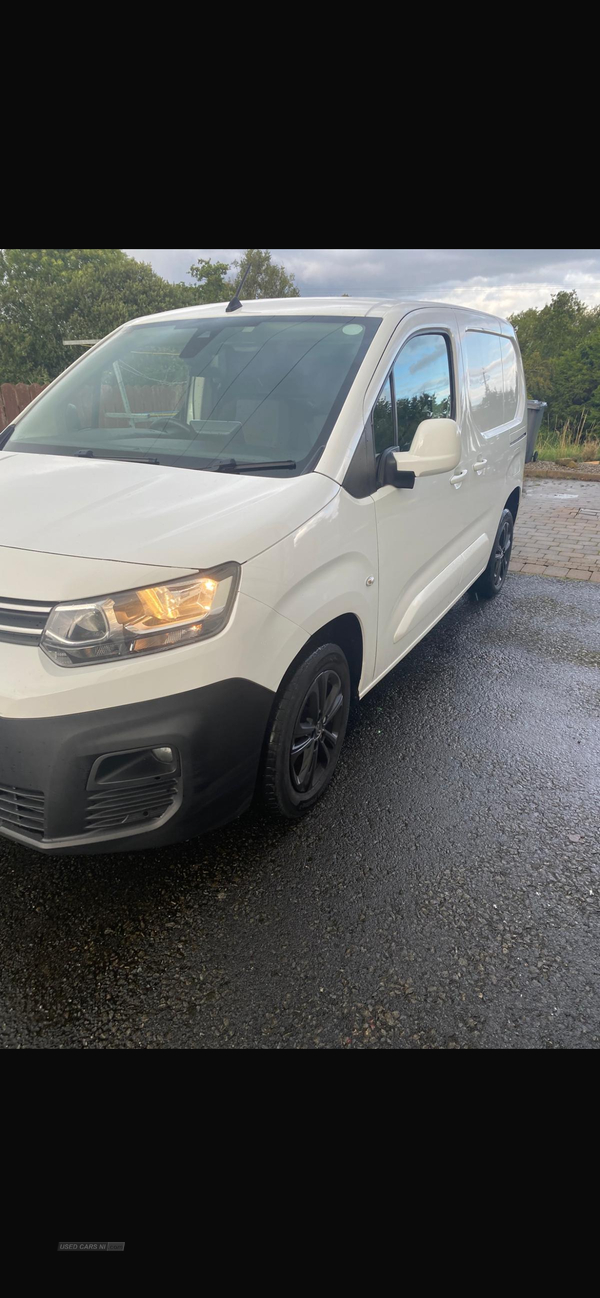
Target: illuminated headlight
x: 141, y: 621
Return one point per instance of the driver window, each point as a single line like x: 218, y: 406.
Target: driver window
x: 422, y: 384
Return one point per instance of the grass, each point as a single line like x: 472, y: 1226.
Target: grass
x: 573, y: 441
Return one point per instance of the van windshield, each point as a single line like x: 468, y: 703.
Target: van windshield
x: 205, y: 393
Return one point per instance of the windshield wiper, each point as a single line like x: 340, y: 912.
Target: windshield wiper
x: 248, y: 466
x: 128, y: 459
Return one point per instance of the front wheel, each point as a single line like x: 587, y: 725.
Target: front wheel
x: 307, y: 732
x: 492, y: 580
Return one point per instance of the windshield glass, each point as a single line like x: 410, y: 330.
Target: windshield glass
x: 203, y: 393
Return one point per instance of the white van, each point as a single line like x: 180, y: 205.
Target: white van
x: 215, y: 528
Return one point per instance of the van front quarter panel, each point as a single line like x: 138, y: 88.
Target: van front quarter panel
x: 325, y: 569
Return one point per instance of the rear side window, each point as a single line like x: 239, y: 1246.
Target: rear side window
x: 485, y: 380
x: 422, y: 384
x: 510, y: 376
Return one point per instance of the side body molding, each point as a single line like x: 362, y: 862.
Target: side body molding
x: 442, y: 589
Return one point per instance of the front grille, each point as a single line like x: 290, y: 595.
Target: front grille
x: 23, y: 622
x: 113, y: 808
x: 22, y: 810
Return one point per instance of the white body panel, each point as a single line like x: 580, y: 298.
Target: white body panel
x: 257, y: 645
x: 320, y: 572
x: 423, y: 533
x: 394, y: 559
x: 148, y: 514
x: 38, y: 575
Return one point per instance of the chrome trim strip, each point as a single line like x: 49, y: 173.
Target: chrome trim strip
x: 479, y: 329
x: 34, y: 609
x: 21, y: 630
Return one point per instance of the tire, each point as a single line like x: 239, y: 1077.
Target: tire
x: 307, y: 732
x: 493, y: 579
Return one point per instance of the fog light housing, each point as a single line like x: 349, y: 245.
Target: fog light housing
x: 134, y: 766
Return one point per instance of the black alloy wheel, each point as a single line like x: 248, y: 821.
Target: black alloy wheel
x: 493, y: 579
x: 307, y: 732
x: 316, y: 732
x: 502, y: 552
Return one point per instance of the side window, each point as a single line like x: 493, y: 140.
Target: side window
x: 383, y: 420
x: 422, y: 384
x: 484, y: 380
x: 510, y: 376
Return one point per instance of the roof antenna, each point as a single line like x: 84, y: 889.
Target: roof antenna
x: 235, y: 303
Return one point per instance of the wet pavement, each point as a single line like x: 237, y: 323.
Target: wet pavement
x: 444, y: 893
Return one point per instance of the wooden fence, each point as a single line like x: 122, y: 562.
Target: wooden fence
x: 14, y: 397
x: 155, y: 398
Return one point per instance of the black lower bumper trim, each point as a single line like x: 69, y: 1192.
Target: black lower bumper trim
x: 217, y: 731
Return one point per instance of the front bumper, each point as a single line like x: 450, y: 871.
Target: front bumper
x: 48, y: 799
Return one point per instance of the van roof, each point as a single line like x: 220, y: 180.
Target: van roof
x: 351, y: 306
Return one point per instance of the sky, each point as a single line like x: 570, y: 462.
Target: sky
x: 501, y: 280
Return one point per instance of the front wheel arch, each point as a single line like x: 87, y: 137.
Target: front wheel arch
x: 513, y: 502
x: 346, y: 631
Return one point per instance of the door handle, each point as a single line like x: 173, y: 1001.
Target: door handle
x: 458, y: 477
x: 480, y: 464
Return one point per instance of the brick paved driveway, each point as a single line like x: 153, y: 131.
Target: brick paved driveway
x: 558, y: 530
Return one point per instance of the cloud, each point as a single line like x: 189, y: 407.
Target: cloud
x: 501, y: 280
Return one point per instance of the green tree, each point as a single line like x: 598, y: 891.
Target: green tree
x: 538, y: 375
x: 559, y: 366
x: 525, y: 324
x: 576, y: 385
x: 555, y: 328
x: 266, y: 279
x: 49, y: 294
x: 210, y: 280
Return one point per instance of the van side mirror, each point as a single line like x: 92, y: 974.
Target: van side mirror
x: 389, y: 475
x: 435, y: 448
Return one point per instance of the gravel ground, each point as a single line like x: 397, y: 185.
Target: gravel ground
x: 444, y: 894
